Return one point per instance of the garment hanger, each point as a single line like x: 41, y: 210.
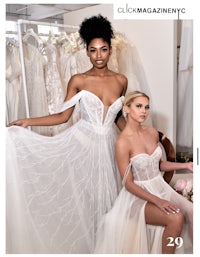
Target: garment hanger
x: 11, y: 41
x: 64, y: 37
x: 31, y: 33
x: 52, y: 38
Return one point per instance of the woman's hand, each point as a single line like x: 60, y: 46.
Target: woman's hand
x: 189, y: 166
x: 166, y: 206
x: 22, y: 123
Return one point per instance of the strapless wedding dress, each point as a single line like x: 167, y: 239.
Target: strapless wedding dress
x: 58, y: 188
x: 123, y: 229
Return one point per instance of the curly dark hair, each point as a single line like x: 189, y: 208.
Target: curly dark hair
x: 96, y: 27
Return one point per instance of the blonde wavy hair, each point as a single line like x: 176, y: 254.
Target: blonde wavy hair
x: 129, y: 98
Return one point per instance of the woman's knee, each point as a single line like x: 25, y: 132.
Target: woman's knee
x: 176, y: 221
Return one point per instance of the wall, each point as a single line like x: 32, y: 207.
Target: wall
x: 156, y: 43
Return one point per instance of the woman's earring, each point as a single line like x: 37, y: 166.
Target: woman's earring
x: 124, y: 113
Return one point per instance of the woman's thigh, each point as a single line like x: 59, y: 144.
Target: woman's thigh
x: 155, y: 216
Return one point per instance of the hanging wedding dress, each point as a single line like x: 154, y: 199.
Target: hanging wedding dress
x: 59, y: 187
x: 67, y: 62
x: 53, y: 81
x: 37, y: 97
x: 123, y: 229
x: 13, y: 80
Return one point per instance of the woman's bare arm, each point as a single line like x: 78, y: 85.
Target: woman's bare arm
x: 54, y: 119
x: 169, y: 166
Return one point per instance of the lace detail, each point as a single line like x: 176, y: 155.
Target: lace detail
x: 55, y: 94
x: 37, y: 97
x: 123, y: 230
x: 146, y: 165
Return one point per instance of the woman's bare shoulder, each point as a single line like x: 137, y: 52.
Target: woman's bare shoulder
x: 78, y: 76
x: 77, y: 81
x: 122, y: 140
x: 122, y: 147
x: 123, y: 81
x: 121, y: 77
x: 151, y: 131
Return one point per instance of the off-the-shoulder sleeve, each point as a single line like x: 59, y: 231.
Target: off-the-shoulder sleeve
x: 72, y: 101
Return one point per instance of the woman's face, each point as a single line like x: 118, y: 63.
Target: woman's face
x: 99, y: 52
x: 139, y: 109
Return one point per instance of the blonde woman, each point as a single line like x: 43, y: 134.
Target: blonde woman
x: 148, y: 216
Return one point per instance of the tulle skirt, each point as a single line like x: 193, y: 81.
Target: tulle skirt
x: 58, y: 188
x: 123, y: 230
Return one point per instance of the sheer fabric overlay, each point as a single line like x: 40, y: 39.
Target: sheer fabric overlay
x: 59, y: 187
x: 123, y: 229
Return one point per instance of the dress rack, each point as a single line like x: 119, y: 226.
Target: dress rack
x: 19, y: 31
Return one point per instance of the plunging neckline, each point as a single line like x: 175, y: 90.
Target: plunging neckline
x: 106, y: 106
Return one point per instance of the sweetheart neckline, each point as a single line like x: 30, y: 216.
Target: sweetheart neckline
x: 145, y: 153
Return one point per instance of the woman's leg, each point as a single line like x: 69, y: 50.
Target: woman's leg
x: 173, y: 223
x: 186, y: 208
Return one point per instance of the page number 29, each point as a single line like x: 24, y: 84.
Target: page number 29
x: 178, y: 241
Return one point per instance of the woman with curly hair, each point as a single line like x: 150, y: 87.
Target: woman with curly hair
x: 59, y: 187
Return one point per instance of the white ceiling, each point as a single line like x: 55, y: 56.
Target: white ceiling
x: 42, y: 12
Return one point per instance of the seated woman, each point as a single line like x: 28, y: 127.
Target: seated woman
x: 148, y: 216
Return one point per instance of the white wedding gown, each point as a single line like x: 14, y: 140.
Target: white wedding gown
x: 123, y: 229
x: 59, y: 187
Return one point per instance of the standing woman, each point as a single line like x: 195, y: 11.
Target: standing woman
x: 149, y: 216
x: 59, y: 187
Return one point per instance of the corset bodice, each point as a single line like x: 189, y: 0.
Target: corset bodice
x: 146, y: 166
